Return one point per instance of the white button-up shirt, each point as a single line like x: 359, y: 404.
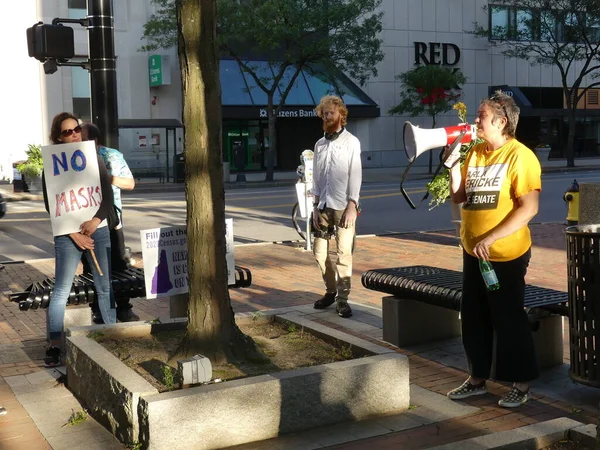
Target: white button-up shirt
x: 337, y: 173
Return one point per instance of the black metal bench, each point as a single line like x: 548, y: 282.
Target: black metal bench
x: 149, y: 172
x: 443, y: 287
x: 408, y: 316
x: 126, y: 284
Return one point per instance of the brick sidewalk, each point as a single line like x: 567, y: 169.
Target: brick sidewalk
x: 285, y: 275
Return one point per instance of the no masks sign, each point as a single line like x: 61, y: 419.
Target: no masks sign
x: 72, y: 185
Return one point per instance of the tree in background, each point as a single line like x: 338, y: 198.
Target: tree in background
x: 428, y: 90
x: 211, y: 328
x: 292, y: 35
x: 558, y: 33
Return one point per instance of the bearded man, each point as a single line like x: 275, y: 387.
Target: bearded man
x: 337, y: 179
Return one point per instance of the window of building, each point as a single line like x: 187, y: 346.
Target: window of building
x: 80, y: 81
x: 77, y: 9
x: 571, y: 27
x: 524, y: 25
x: 499, y: 21
x: 536, y: 25
x: 548, y: 26
x: 592, y: 29
x: 513, y: 23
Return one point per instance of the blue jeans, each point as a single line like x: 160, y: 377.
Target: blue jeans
x: 68, y: 256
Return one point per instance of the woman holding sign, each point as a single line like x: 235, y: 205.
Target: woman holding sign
x: 93, y: 237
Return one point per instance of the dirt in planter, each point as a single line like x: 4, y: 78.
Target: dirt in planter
x: 287, y: 346
x: 564, y: 445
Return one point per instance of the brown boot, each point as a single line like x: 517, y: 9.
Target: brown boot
x: 327, y: 300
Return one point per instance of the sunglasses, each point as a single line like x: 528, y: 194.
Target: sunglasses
x: 69, y: 132
x: 498, y: 100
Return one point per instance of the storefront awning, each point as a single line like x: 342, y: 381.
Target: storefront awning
x: 243, y: 99
x: 520, y: 99
x: 150, y: 123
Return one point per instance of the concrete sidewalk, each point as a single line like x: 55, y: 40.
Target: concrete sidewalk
x: 286, y: 276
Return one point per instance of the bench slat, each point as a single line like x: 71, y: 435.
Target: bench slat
x: 128, y: 283
x: 442, y: 287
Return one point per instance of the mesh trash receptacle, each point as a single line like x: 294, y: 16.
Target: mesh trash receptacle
x: 583, y: 272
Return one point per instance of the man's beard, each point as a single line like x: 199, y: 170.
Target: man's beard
x: 332, y: 127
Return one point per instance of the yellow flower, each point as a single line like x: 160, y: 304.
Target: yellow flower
x: 462, y: 111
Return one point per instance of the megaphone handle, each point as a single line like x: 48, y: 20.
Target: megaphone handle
x: 452, y: 158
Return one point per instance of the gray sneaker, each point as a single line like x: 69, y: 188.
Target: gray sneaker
x: 467, y: 390
x: 514, y: 398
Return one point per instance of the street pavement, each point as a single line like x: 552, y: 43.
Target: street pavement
x: 284, y: 276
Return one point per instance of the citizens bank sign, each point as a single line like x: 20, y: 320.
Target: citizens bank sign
x: 290, y: 113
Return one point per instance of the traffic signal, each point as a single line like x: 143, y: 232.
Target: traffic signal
x: 50, y: 42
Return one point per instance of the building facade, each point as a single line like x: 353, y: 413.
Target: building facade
x: 415, y: 32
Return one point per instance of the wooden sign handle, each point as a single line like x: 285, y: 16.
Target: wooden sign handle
x: 96, y: 263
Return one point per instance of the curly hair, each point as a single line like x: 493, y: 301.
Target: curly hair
x: 336, y: 101
x: 503, y: 105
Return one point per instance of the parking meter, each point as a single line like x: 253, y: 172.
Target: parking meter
x: 303, y: 191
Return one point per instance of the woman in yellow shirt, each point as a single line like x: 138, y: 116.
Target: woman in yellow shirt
x: 499, y: 187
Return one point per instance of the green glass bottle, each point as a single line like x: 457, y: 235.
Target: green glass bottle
x: 489, y: 275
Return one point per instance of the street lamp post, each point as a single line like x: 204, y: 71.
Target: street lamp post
x: 103, y: 70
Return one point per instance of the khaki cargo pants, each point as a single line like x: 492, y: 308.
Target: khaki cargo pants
x: 336, y: 277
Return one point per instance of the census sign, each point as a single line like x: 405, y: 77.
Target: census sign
x: 72, y: 185
x: 165, y: 255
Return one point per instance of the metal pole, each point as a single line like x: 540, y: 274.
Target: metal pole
x: 103, y: 70
x: 308, y: 199
x: 167, y: 139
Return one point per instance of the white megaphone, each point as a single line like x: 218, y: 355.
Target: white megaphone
x: 419, y: 140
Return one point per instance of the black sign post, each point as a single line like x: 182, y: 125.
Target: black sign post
x: 103, y: 70
x: 54, y: 46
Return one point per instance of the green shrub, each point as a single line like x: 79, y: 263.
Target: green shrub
x: 34, y: 164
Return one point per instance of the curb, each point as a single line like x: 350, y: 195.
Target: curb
x: 10, y: 197
x: 537, y: 435
x: 584, y: 437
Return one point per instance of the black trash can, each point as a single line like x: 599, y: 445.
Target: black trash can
x: 583, y: 272
x: 179, y: 165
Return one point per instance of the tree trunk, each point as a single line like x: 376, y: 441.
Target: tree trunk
x: 211, y: 329
x: 272, y: 138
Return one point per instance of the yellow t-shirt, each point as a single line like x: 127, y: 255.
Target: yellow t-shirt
x: 493, y: 182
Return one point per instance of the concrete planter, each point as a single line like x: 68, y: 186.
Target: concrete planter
x: 543, y: 154
x: 235, y: 412
x: 34, y: 185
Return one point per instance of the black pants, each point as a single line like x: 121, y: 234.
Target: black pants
x: 495, y: 329
x: 117, y: 262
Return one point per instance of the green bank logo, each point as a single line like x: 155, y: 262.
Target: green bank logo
x: 158, y: 70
